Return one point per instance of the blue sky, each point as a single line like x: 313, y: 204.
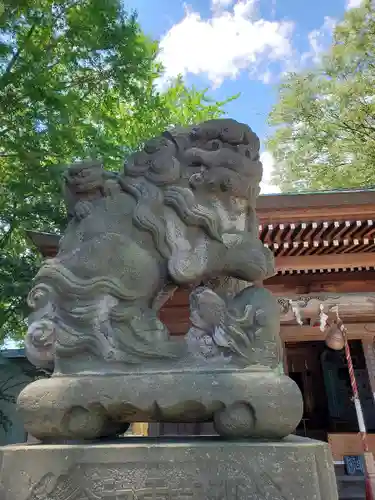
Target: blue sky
x: 240, y: 46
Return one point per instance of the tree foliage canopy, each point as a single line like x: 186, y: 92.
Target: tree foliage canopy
x: 77, y: 79
x: 325, y: 117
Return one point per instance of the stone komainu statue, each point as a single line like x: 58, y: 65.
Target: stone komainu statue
x: 182, y: 212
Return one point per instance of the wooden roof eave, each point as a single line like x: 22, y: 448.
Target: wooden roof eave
x: 307, y: 207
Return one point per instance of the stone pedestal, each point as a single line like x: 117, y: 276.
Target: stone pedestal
x: 142, y: 468
x: 242, y: 403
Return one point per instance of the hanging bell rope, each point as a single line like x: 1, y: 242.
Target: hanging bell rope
x: 368, y: 456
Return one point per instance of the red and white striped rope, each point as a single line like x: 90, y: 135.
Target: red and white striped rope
x: 356, y: 400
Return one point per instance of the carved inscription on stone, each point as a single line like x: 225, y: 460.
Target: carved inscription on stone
x: 156, y: 489
x: 66, y: 487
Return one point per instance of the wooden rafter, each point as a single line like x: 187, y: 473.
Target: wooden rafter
x: 334, y: 282
x: 345, y: 261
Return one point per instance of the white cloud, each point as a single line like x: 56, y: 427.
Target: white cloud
x: 319, y: 41
x: 232, y: 40
x: 268, y: 167
x: 353, y: 4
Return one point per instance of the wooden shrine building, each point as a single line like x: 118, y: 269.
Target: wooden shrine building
x: 324, y: 244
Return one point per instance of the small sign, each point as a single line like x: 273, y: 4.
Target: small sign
x: 354, y: 465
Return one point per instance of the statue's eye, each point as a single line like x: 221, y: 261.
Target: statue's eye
x: 215, y: 145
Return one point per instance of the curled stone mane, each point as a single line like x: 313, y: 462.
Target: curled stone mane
x: 164, y: 173
x: 187, y: 184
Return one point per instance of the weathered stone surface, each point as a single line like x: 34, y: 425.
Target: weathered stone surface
x: 182, y: 212
x: 293, y: 469
x: 243, y: 329
x: 241, y: 403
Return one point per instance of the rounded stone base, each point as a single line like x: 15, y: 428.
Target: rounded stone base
x: 240, y: 403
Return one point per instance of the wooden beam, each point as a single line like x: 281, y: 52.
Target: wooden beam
x: 308, y: 207
x: 331, y: 261
x: 341, y: 282
x: 295, y: 333
x: 356, y: 331
x: 306, y: 200
x: 352, y: 306
x: 322, y: 213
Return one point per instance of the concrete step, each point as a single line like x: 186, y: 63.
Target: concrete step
x: 351, y: 487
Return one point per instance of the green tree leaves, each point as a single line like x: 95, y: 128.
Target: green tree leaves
x: 325, y: 118
x: 78, y: 79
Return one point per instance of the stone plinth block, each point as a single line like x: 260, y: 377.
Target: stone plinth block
x: 204, y: 469
x: 241, y: 403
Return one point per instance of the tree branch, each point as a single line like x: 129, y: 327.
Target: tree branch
x: 17, y: 54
